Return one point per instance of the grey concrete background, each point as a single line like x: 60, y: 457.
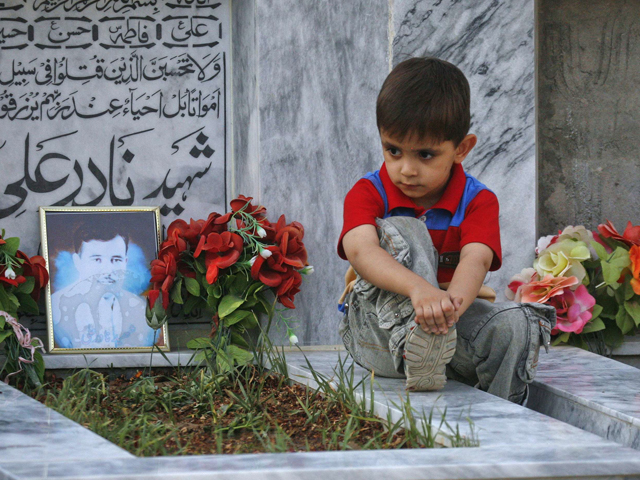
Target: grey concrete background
x: 588, y: 122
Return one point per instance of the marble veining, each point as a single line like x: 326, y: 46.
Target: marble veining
x: 30, y: 432
x: 320, y: 67
x: 492, y: 42
x: 514, y: 443
x: 589, y: 391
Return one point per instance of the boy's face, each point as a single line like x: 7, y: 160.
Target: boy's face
x: 421, y: 169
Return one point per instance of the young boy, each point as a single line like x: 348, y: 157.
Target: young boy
x: 422, y: 235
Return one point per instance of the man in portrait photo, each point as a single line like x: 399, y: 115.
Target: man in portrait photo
x: 94, y: 309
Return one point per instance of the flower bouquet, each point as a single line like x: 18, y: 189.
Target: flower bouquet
x: 21, y: 281
x: 230, y: 268
x: 593, y: 281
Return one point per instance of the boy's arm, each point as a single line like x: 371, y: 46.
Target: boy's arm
x: 435, y: 309
x: 475, y: 261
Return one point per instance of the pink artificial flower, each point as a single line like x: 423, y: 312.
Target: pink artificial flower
x: 542, y: 290
x: 573, y: 310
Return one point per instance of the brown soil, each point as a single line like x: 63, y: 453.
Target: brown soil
x: 198, y: 430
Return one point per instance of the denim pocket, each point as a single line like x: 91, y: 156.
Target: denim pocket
x: 540, y: 320
x: 393, y: 309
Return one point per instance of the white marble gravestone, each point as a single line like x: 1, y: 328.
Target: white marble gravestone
x: 112, y: 102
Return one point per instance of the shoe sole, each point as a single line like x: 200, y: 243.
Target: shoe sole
x: 426, y: 357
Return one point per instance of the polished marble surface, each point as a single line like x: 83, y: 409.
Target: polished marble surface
x: 592, y: 392
x: 603, y: 462
x: 492, y: 42
x: 515, y: 442
x: 496, y: 421
x: 31, y: 432
x: 320, y: 66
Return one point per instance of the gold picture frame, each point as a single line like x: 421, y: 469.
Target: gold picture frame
x: 94, y: 302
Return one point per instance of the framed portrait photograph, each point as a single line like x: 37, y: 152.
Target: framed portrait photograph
x: 99, y: 264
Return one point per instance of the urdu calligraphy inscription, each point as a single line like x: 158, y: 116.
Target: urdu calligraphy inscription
x: 112, y: 102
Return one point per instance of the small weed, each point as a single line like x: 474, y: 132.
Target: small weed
x: 244, y: 410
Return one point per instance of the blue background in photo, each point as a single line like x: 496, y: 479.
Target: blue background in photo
x: 137, y: 277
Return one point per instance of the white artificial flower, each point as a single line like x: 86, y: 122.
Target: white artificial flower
x: 253, y: 260
x: 264, y: 253
x: 308, y: 270
x: 9, y: 273
x: 261, y: 232
x: 293, y: 339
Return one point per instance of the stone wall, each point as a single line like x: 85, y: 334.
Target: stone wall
x: 589, y: 75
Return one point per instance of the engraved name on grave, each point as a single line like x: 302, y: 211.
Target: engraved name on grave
x: 112, y: 102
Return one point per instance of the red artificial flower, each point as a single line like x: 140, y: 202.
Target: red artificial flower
x: 35, y: 267
x: 152, y: 297
x: 187, y: 231
x: 210, y: 225
x: 631, y: 235
x: 271, y: 270
x: 289, y: 238
x: 222, y: 251
x: 174, y: 245
x: 242, y: 203
x: 290, y: 285
x: 163, y: 267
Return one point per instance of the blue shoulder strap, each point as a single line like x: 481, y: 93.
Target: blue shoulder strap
x: 374, y: 177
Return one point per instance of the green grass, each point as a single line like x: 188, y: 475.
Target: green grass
x: 248, y: 409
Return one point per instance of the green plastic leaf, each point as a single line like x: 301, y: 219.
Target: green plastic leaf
x: 199, y: 343
x: 240, y: 284
x: 212, y: 301
x: 200, y: 266
x: 250, y: 321
x: 5, y: 303
x: 235, y: 317
x: 27, y: 287
x: 38, y: 364
x: 613, y: 267
x: 238, y: 339
x: 5, y: 334
x: 600, y: 251
x: 624, y: 320
x: 12, y: 245
x: 224, y: 363
x: 254, y: 289
x: 176, y: 293
x: 190, y: 304
x: 14, y: 300
x: 228, y: 305
x: 2, y: 322
x: 28, y: 305
x: 613, y: 337
x: 595, y: 313
x: 193, y: 287
x: 239, y: 355
x: 633, y: 309
x: 628, y: 289
x: 594, y: 326
x: 562, y: 338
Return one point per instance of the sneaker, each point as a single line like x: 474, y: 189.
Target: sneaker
x: 425, y: 358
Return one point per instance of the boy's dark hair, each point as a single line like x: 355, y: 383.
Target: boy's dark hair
x: 103, y: 232
x: 427, y: 97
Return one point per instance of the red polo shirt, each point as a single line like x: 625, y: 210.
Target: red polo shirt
x: 363, y: 204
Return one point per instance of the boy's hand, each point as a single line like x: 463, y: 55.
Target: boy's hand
x: 436, y: 310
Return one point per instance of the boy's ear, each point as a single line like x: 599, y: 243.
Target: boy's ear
x: 465, y: 146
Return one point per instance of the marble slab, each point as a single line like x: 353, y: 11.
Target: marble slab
x: 31, y: 432
x: 492, y: 42
x: 514, y: 443
x: 592, y: 392
x: 496, y: 421
x: 518, y: 462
